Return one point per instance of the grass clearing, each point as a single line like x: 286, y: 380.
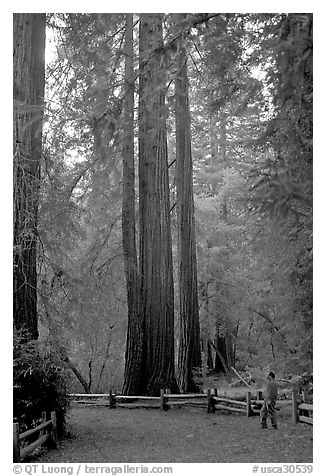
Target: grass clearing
x: 180, y: 435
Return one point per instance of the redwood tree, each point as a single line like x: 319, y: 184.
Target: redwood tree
x: 134, y: 347
x: 156, y: 275
x: 189, y: 346
x: 28, y: 82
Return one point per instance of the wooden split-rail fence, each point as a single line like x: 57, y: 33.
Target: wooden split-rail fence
x: 166, y: 400
x: 47, y: 435
x: 213, y: 402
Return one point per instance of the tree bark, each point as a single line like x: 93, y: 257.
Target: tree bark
x: 156, y: 273
x: 133, y: 376
x: 28, y: 82
x: 189, y: 348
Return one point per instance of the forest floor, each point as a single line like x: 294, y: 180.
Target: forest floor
x: 180, y: 435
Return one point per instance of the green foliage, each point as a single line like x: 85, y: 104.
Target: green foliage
x: 81, y: 300
x: 253, y: 185
x: 40, y: 383
x: 251, y: 105
x: 282, y: 177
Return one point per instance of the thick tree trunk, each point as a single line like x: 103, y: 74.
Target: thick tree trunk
x: 189, y: 349
x: 133, y: 377
x: 28, y: 79
x: 156, y: 274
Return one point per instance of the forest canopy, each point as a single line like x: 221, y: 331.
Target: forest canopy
x: 163, y: 195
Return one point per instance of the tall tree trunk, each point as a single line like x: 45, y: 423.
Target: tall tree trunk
x: 156, y: 274
x: 133, y: 376
x: 189, y: 349
x: 28, y: 81
x: 205, y: 332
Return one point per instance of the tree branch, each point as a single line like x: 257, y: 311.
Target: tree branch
x: 79, y: 376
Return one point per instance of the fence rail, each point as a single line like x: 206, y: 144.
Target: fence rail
x: 47, y: 431
x: 164, y: 401
x: 214, y: 402
x: 169, y: 399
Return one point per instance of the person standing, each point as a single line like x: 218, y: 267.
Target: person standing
x: 269, y: 405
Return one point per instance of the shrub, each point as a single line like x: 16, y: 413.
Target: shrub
x: 40, y: 383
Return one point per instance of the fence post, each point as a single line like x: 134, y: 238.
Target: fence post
x: 208, y: 400
x: 43, y: 420
x: 16, y: 455
x: 214, y: 393
x: 210, y: 404
x: 49, y: 442
x: 54, y: 432
x: 248, y: 402
x: 163, y: 405
x: 295, y: 415
x: 111, y: 400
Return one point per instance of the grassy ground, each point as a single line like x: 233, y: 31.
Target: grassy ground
x: 180, y: 435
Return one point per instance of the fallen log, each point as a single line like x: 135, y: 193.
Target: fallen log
x: 240, y: 377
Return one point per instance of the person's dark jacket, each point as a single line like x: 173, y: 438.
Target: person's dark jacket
x: 271, y: 391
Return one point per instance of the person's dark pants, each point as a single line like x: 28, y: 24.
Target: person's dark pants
x: 268, y: 409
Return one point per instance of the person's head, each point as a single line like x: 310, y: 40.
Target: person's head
x: 271, y: 376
